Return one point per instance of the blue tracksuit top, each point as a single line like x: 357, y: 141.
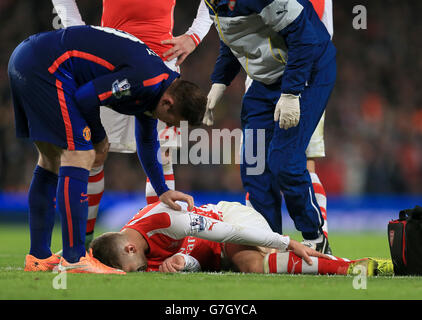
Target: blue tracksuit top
x: 110, y: 68
x: 273, y: 40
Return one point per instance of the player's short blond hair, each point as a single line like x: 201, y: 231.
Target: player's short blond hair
x: 107, y: 248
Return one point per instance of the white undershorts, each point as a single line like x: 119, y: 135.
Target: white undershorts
x: 316, y: 147
x: 237, y: 214
x: 241, y: 215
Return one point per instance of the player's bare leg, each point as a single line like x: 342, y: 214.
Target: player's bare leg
x: 48, y: 156
x: 245, y: 259
x: 80, y: 159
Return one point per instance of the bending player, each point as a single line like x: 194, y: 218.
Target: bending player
x: 152, y: 22
x: 316, y: 147
x: 158, y: 238
x: 59, y: 80
x: 259, y: 36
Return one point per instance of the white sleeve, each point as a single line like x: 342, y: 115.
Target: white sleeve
x: 190, y: 224
x: 201, y: 25
x: 327, y: 17
x: 68, y: 12
x: 191, y: 264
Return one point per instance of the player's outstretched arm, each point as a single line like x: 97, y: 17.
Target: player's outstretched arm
x: 171, y: 196
x: 305, y: 252
x: 148, y: 148
x: 185, y: 224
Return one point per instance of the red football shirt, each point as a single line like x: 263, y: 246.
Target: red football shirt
x: 319, y: 6
x: 154, y: 223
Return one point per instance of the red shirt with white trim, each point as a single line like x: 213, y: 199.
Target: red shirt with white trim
x: 149, y: 20
x: 165, y: 239
x: 324, y: 9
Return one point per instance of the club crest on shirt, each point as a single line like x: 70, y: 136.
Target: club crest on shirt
x: 87, y: 133
x: 120, y: 88
x: 232, y: 3
x: 197, y: 223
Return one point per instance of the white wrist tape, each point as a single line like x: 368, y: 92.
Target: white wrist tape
x: 191, y: 264
x: 285, y: 241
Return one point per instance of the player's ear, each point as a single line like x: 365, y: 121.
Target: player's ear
x: 168, y: 102
x: 130, y: 248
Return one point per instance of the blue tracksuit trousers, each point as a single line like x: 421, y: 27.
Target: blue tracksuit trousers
x: 285, y: 171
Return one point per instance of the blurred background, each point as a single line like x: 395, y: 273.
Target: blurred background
x: 373, y: 126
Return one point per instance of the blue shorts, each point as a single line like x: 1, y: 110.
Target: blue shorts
x: 44, y: 106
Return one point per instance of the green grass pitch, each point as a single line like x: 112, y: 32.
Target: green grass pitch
x: 17, y: 284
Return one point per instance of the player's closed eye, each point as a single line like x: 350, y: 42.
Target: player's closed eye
x: 142, y: 268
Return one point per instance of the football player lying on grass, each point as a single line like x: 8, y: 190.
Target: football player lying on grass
x: 225, y: 236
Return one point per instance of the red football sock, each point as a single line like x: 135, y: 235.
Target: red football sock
x: 288, y: 262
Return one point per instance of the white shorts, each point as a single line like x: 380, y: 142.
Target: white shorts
x: 237, y: 214
x: 241, y: 215
x: 316, y: 147
x: 120, y: 128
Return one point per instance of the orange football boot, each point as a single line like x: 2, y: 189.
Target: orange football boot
x: 87, y: 264
x: 34, y: 264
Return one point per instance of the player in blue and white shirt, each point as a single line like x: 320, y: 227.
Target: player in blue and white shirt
x: 59, y: 80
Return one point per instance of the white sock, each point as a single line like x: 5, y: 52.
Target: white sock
x: 95, y: 193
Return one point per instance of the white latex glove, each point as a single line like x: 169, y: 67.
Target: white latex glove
x: 215, y: 94
x: 287, y: 111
